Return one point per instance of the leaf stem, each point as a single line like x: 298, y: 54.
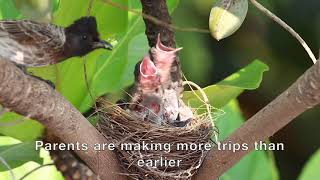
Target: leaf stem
x: 286, y: 27
x: 206, y: 102
x: 3, y: 161
x: 156, y: 20
x: 35, y: 169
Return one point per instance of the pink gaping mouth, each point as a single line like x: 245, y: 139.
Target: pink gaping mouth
x: 147, y: 67
x: 163, y: 58
x: 163, y: 48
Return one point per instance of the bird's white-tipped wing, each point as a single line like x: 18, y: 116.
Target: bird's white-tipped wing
x: 30, y: 43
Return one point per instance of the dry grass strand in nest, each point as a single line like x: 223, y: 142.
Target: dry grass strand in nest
x: 121, y: 126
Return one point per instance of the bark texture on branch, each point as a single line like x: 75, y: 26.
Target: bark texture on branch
x: 158, y: 9
x: 300, y: 96
x: 35, y: 99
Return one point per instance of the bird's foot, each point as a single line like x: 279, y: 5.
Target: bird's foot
x: 22, y: 68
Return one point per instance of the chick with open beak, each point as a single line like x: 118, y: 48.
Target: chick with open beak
x: 163, y: 58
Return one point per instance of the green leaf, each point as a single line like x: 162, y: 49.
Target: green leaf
x: 249, y: 77
x: 257, y: 164
x: 29, y: 166
x: 8, y: 10
x: 172, y: 5
x: 138, y: 47
x: 311, y: 169
x: 221, y: 93
x: 114, y: 73
x: 17, y: 154
x: 20, y: 128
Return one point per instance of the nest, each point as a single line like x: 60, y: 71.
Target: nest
x: 123, y: 128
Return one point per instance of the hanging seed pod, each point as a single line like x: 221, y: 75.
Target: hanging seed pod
x: 226, y: 17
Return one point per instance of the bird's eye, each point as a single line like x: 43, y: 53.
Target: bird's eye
x: 84, y: 37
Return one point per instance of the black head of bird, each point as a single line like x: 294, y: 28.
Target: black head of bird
x: 32, y: 44
x: 82, y: 37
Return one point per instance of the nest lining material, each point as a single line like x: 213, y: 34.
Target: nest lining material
x: 122, y: 126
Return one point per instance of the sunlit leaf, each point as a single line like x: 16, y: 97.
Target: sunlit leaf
x: 49, y: 172
x: 221, y: 93
x: 311, y: 169
x: 16, y: 154
x: 19, y: 127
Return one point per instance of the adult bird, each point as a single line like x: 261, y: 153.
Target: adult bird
x: 33, y: 44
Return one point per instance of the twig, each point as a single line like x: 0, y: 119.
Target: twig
x: 156, y: 20
x: 3, y: 161
x: 207, y: 104
x: 90, y: 7
x: 300, y: 96
x: 86, y: 79
x: 35, y: 169
x: 286, y: 27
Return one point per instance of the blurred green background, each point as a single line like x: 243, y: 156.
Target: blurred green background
x: 204, y: 61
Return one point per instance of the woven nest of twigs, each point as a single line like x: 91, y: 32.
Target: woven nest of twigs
x: 121, y: 126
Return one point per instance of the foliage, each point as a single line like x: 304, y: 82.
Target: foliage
x: 20, y: 128
x: 16, y: 154
x: 257, y: 164
x: 109, y: 72
x: 221, y: 93
x: 311, y: 169
x: 28, y: 159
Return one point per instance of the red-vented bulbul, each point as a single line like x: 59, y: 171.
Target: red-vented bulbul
x: 33, y: 44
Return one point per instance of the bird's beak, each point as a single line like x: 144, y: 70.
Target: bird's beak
x: 103, y: 44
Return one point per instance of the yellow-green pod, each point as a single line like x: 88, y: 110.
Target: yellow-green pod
x: 226, y: 17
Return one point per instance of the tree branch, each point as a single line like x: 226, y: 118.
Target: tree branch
x: 35, y: 99
x: 159, y: 10
x: 300, y: 96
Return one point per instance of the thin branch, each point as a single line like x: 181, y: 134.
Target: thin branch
x: 286, y: 27
x: 159, y: 10
x: 35, y: 99
x: 156, y: 20
x: 35, y: 169
x: 3, y: 161
x: 90, y: 7
x: 299, y: 97
x: 206, y: 101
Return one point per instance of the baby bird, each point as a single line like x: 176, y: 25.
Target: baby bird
x: 33, y: 44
